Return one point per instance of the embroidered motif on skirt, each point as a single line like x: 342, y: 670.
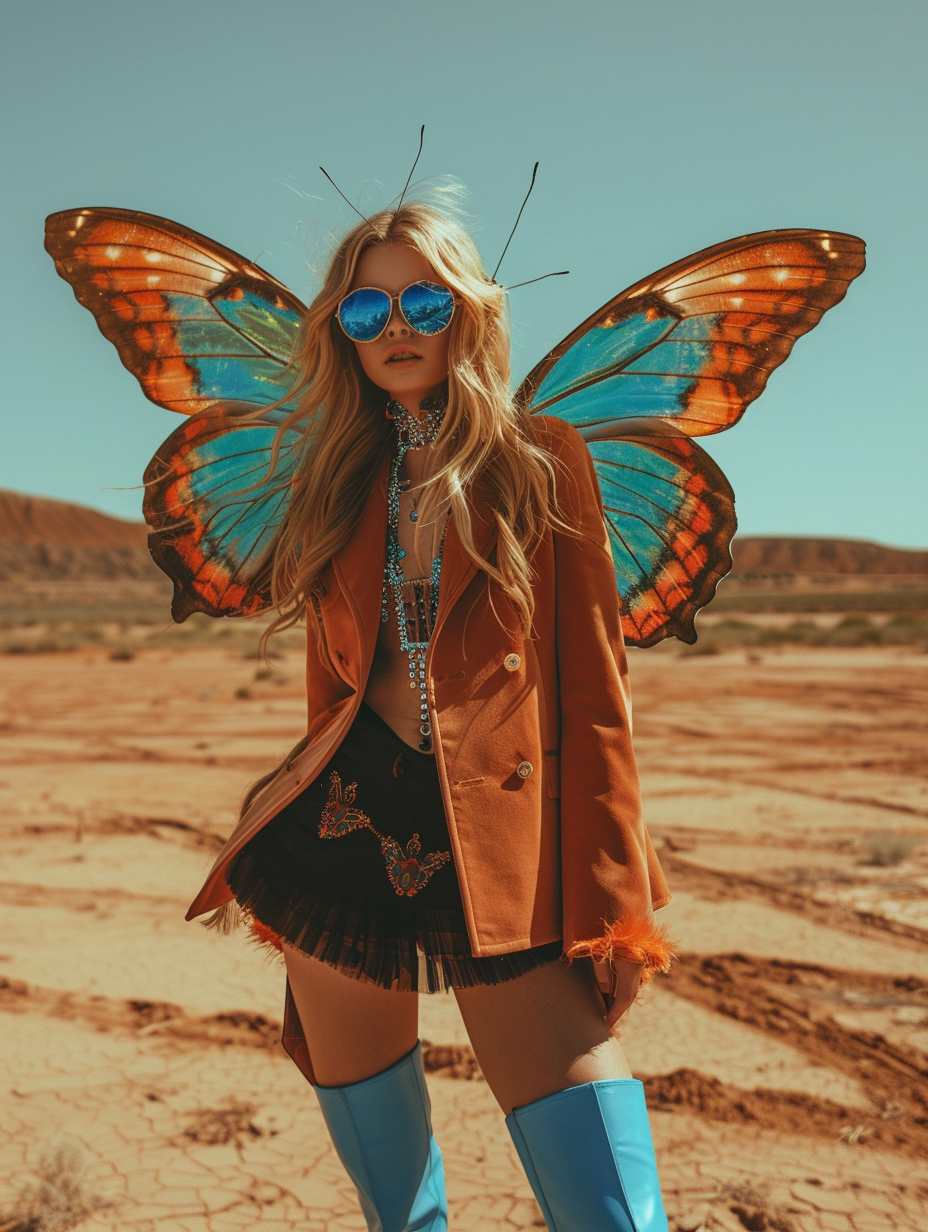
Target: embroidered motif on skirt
x: 406, y: 872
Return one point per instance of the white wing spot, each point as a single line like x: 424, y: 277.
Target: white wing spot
x: 113, y: 251
x: 832, y: 255
x: 736, y: 301
x: 154, y: 257
x: 153, y: 279
x: 781, y: 275
x: 737, y: 278
x: 826, y: 244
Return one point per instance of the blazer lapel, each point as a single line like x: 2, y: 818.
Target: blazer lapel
x: 457, y: 568
x: 359, y: 569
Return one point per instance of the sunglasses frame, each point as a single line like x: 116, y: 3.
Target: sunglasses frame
x: 396, y: 299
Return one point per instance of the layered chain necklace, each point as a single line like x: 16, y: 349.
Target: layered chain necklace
x: 415, y: 600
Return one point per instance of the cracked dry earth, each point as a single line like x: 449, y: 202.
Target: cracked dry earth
x: 785, y: 1057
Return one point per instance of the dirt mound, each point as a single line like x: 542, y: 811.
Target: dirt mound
x: 790, y: 1001
x: 238, y: 1028
x: 35, y: 520
x: 763, y: 555
x: 450, y: 1061
x: 55, y: 541
x: 789, y: 1112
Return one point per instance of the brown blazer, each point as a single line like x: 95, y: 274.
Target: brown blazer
x: 532, y: 736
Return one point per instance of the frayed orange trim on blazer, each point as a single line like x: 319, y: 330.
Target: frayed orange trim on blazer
x: 265, y: 937
x: 638, y: 941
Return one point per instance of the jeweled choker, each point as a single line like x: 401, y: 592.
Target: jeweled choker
x: 413, y: 432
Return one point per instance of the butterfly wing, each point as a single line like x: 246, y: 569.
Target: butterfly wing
x: 695, y: 343
x: 210, y: 335
x: 670, y: 513
x: 214, y: 509
x: 678, y: 355
x: 193, y: 321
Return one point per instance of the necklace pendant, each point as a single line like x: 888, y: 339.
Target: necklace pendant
x: 414, y: 516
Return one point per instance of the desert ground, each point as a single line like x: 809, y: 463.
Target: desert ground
x: 785, y: 1058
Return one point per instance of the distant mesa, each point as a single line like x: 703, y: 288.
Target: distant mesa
x: 56, y: 541
x: 764, y: 556
x: 804, y: 574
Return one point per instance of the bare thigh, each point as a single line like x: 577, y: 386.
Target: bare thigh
x: 541, y: 1033
x: 354, y: 1029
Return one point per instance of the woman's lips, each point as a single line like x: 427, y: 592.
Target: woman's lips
x: 400, y: 353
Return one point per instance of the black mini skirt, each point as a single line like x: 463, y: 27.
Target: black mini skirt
x: 358, y: 872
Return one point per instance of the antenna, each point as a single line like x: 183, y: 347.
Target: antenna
x: 518, y: 216
x: 415, y: 164
x: 540, y: 278
x: 341, y: 194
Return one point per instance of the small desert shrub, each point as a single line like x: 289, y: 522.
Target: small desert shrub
x: 61, y: 1198
x: 705, y: 646
x: 800, y: 632
x: 122, y: 654
x: 884, y: 848
x: 43, y: 645
x: 243, y: 693
x: 854, y: 631
x: 905, y: 631
x: 734, y: 633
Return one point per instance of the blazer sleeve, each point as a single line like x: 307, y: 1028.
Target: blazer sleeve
x: 611, y: 880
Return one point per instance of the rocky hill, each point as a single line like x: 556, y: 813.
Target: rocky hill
x: 36, y: 520
x: 50, y: 540
x: 763, y: 555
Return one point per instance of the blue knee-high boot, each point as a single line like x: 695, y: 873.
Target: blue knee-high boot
x: 382, y: 1131
x: 588, y: 1155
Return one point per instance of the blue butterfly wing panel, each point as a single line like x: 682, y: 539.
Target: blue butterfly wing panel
x: 214, y: 509
x: 193, y: 321
x: 670, y: 513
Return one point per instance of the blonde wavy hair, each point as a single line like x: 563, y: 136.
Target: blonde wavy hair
x: 346, y: 434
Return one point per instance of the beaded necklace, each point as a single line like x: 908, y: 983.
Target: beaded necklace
x: 415, y: 600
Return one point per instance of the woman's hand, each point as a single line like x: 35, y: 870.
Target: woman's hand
x: 618, y: 983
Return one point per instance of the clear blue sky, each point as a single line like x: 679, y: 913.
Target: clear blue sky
x: 661, y: 128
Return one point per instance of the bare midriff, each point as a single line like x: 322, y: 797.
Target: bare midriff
x: 388, y: 690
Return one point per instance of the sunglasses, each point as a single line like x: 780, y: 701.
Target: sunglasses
x: 426, y: 307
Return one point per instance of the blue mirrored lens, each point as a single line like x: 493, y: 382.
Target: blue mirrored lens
x: 427, y: 307
x: 364, y: 313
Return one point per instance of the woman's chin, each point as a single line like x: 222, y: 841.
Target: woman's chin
x: 412, y: 388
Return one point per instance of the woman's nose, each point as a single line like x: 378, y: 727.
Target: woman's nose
x: 396, y: 326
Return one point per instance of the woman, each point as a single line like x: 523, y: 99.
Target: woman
x: 464, y: 809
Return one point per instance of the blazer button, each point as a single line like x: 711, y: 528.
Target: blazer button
x: 524, y: 769
x: 512, y: 663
